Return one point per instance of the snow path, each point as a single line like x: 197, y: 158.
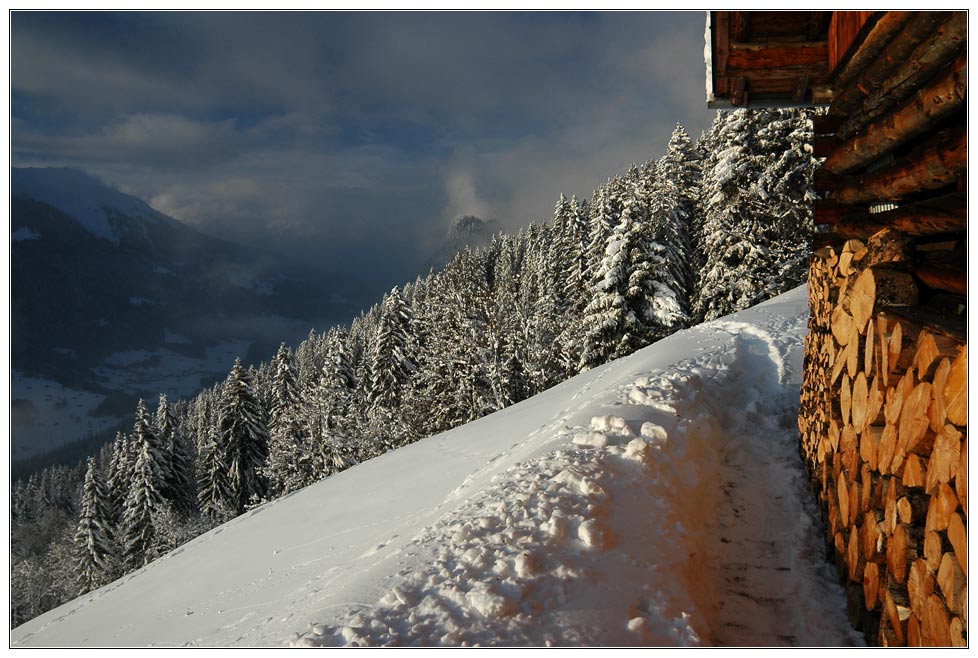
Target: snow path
x: 558, y: 552
x: 657, y: 500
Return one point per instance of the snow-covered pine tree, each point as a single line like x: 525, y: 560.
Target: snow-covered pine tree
x: 785, y: 185
x: 704, y: 146
x: 426, y: 408
x: 144, y: 497
x: 604, y: 216
x: 178, y: 482
x: 244, y: 437
x: 145, y: 435
x: 737, y: 256
x: 214, y: 496
x: 390, y: 368
x: 559, y: 228
x: 673, y: 206
x: 94, y: 541
x: 335, y: 454
x: 542, y: 292
x: 336, y: 382
x: 291, y: 460
x: 756, y: 185
x: 618, y: 320
x: 509, y: 317
x: 574, y: 244
x: 307, y: 360
x: 285, y: 385
x: 20, y: 507
x: 120, y: 473
x: 452, y: 384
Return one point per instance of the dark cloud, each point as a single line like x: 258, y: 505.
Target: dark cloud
x: 351, y: 137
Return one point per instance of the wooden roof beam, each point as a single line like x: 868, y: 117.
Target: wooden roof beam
x: 740, y: 26
x: 926, y: 109
x: 738, y: 91
x: 747, y: 57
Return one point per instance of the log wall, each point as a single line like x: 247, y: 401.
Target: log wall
x: 883, y: 417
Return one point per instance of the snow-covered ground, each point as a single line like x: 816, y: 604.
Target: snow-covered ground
x: 47, y: 415
x: 658, y: 500
x: 167, y: 371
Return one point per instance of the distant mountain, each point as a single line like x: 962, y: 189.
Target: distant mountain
x: 465, y: 231
x: 112, y: 299
x: 104, y: 211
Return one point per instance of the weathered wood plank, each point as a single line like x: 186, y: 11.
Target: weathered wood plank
x: 926, y: 109
x: 745, y: 57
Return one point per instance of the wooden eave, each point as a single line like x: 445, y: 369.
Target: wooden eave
x: 769, y: 58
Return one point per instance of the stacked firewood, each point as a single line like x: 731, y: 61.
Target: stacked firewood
x: 883, y: 423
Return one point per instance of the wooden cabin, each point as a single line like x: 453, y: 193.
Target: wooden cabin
x: 883, y: 417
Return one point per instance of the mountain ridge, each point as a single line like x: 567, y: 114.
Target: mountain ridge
x: 464, y: 231
x: 124, y: 278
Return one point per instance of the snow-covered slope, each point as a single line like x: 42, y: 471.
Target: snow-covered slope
x: 84, y: 198
x: 659, y: 499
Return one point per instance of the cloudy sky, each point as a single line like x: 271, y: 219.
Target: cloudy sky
x: 352, y: 138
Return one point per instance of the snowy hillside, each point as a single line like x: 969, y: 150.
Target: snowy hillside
x: 83, y: 197
x: 112, y: 301
x: 659, y: 499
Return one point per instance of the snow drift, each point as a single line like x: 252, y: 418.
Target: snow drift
x: 657, y: 500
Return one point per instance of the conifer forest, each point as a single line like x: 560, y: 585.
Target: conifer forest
x: 715, y: 225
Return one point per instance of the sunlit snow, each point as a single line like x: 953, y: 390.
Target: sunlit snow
x: 656, y: 500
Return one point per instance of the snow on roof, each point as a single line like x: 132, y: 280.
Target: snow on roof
x: 708, y: 57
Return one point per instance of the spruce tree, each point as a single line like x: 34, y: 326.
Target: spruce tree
x: 673, y: 208
x: 94, y: 542
x: 284, y: 385
x: 144, y: 498
x: 737, y: 256
x: 244, y: 435
x: 756, y: 190
x: 291, y: 459
x: 145, y: 436
x: 390, y: 368
x: 178, y: 481
x: 120, y: 473
x: 618, y: 320
x: 785, y: 185
x: 336, y: 381
x: 214, y: 496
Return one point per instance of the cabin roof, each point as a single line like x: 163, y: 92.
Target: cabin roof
x: 776, y: 58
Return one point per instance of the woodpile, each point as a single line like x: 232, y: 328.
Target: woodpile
x: 883, y: 413
x: 883, y: 423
